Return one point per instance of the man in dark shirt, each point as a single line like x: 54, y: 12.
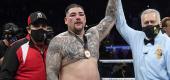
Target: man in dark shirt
x: 9, y: 36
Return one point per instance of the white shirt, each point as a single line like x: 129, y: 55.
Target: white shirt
x: 149, y: 63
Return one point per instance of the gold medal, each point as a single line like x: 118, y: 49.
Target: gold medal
x: 87, y: 53
x: 159, y: 52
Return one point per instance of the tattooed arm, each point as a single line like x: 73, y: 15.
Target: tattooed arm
x: 107, y: 23
x: 53, y: 60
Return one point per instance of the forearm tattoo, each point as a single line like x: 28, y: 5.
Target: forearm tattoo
x: 111, y: 8
x: 105, y: 25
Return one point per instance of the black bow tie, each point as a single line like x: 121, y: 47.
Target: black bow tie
x: 149, y: 41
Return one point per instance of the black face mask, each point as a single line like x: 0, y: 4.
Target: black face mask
x: 10, y: 38
x: 38, y: 35
x: 151, y: 31
x: 50, y: 35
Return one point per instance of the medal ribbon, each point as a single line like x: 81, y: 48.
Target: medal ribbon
x: 84, y: 42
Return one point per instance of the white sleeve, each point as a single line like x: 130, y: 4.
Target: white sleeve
x: 121, y: 25
x: 168, y: 58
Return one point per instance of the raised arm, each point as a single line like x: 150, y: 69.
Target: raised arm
x: 53, y: 60
x: 107, y: 23
x: 121, y: 25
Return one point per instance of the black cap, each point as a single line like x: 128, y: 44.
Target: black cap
x: 37, y: 17
x: 10, y: 28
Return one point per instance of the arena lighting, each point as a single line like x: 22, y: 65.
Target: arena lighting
x: 113, y: 48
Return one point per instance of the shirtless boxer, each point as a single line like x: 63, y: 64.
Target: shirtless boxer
x: 73, y: 55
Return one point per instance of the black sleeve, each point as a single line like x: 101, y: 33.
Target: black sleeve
x: 10, y: 63
x: 3, y: 48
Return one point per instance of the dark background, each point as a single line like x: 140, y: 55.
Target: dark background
x: 17, y: 11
